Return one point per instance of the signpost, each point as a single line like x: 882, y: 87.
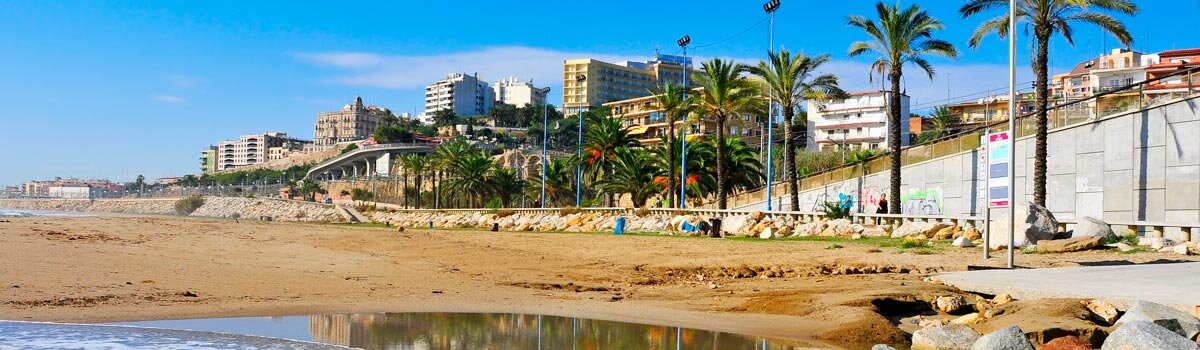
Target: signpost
x: 999, y: 170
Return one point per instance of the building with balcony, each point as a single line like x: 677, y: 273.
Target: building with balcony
x: 1074, y: 85
x: 208, y: 160
x: 992, y: 108
x: 857, y: 122
x: 519, y: 93
x: 605, y: 82
x: 252, y: 149
x: 353, y: 122
x: 648, y: 124
x: 465, y: 95
x: 1169, y: 63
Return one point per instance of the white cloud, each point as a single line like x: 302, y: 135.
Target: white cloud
x: 181, y: 80
x: 169, y: 99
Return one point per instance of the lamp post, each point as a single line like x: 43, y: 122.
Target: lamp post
x: 579, y: 80
x: 683, y: 43
x: 1012, y: 127
x: 545, y: 137
x: 770, y: 8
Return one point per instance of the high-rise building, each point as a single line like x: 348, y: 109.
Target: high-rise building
x: 589, y: 83
x: 465, y: 95
x: 251, y: 149
x: 354, y: 122
x: 858, y: 122
x: 519, y: 93
x: 208, y: 160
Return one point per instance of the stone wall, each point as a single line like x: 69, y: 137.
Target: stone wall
x: 213, y: 207
x: 1140, y: 166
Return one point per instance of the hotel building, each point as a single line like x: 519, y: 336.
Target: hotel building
x: 464, y: 94
x: 648, y: 124
x: 857, y: 122
x: 354, y: 122
x: 519, y: 93
x: 604, y: 82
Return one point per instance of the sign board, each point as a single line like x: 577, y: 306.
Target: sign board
x: 999, y: 170
x: 672, y: 59
x: 981, y: 185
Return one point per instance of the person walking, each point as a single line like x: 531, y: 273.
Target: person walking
x: 883, y: 205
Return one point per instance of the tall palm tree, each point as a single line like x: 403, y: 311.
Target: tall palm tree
x: 675, y: 107
x: 632, y: 173
x: 445, y: 156
x: 507, y: 184
x: 741, y: 164
x: 1048, y: 17
x: 416, y: 165
x: 901, y: 37
x: 725, y: 93
x: 793, y: 80
x: 700, y: 183
x: 471, y: 176
x: 602, y: 139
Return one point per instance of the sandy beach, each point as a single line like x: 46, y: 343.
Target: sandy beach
x: 105, y: 269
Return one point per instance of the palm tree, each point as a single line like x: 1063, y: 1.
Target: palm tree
x: 725, y: 93
x: 700, y: 183
x: 1048, y: 17
x: 444, y: 158
x: 472, y: 177
x: 417, y: 165
x: 900, y: 37
x: 602, y: 139
x: 793, y: 80
x: 506, y: 184
x: 675, y: 107
x: 741, y: 164
x: 633, y: 172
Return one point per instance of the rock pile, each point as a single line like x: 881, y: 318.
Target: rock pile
x: 586, y: 221
x: 281, y: 210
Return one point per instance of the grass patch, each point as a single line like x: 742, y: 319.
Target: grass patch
x: 834, y: 246
x: 1138, y: 250
x: 910, y: 244
x: 1130, y: 238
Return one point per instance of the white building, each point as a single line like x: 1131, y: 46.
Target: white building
x: 255, y: 148
x: 74, y: 192
x: 464, y: 94
x: 858, y: 122
x: 519, y: 93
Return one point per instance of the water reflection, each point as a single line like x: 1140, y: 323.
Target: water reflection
x: 451, y: 331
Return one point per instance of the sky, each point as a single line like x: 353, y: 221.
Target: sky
x: 114, y: 89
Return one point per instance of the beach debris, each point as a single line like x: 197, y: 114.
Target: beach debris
x: 189, y: 294
x: 435, y: 291
x: 1139, y: 335
x: 948, y: 337
x: 1102, y: 311
x: 1011, y: 338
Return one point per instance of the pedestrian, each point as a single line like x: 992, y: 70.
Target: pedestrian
x: 883, y: 205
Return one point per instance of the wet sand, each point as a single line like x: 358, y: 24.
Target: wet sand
x: 107, y: 269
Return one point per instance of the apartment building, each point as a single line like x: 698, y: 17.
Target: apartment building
x: 519, y: 93
x: 208, y: 160
x: 353, y: 122
x: 648, y: 124
x: 1168, y: 63
x: 991, y: 108
x: 462, y: 93
x: 857, y: 122
x: 589, y: 83
x: 252, y: 149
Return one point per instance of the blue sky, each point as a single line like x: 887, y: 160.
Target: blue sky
x: 119, y: 88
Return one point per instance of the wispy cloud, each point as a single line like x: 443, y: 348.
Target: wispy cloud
x: 169, y: 99
x: 181, y: 80
x: 412, y: 71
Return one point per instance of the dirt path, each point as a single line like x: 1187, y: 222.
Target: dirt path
x: 129, y: 268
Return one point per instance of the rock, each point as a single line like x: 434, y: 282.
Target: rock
x: 1011, y: 338
x: 948, y: 337
x: 952, y: 304
x: 784, y: 231
x: 910, y: 229
x: 1039, y: 224
x: 1155, y: 243
x: 1181, y: 249
x: 882, y: 347
x: 1066, y: 343
x: 856, y: 236
x: 874, y: 232
x: 971, y: 318
x: 933, y: 229
x: 1089, y: 226
x: 1102, y: 311
x: 1002, y: 299
x: 1143, y: 335
x: 1174, y: 320
x: 930, y: 322
x: 963, y: 242
x: 1076, y: 244
x: 737, y: 224
x: 757, y: 216
x: 972, y: 234
x: 1122, y: 247
x: 946, y: 233
x: 767, y: 233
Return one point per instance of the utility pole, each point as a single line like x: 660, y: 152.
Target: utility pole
x: 770, y: 8
x: 683, y: 43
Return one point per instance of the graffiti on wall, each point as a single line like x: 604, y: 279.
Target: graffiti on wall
x: 922, y: 202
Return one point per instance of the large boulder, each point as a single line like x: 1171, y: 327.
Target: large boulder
x: 874, y: 231
x: 737, y: 224
x: 948, y: 337
x: 911, y: 228
x: 1011, y: 338
x: 1038, y: 224
x: 953, y: 304
x: 1143, y: 335
x: 1089, y: 226
x: 1066, y: 343
x: 1068, y: 245
x: 1174, y: 320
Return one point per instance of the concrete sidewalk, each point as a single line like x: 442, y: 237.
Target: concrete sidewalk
x: 1176, y: 284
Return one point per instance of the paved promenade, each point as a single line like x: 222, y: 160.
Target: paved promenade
x: 1177, y: 285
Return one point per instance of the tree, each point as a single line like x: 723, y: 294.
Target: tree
x: 791, y: 81
x: 601, y: 140
x: 725, y: 93
x: 443, y: 159
x: 632, y: 173
x: 392, y: 133
x: 507, y: 185
x: 741, y: 165
x: 900, y: 38
x: 416, y: 164
x: 675, y: 107
x: 140, y: 183
x: 444, y: 117
x: 506, y: 115
x: 1048, y: 17
x: 472, y: 177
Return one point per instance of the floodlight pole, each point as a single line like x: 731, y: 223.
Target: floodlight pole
x: 579, y: 79
x: 545, y: 137
x: 1012, y: 128
x: 770, y: 8
x: 683, y: 43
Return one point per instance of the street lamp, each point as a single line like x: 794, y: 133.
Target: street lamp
x: 770, y: 8
x: 683, y: 43
x: 545, y: 137
x: 579, y: 80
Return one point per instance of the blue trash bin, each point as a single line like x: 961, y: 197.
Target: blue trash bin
x: 620, y: 227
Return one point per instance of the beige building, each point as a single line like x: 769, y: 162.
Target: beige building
x: 607, y: 82
x: 647, y: 123
x: 253, y: 149
x: 519, y: 93
x: 354, y: 122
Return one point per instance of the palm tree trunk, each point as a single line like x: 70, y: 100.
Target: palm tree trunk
x: 894, y: 138
x: 722, y: 196
x: 419, y: 190
x: 789, y: 158
x: 671, y: 195
x: 1043, y: 104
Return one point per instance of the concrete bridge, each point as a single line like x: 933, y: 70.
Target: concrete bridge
x: 366, y: 160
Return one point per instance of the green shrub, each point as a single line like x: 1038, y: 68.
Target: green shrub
x: 834, y: 211
x: 494, y: 203
x: 185, y: 206
x: 359, y: 194
x: 909, y: 244
x: 1130, y: 238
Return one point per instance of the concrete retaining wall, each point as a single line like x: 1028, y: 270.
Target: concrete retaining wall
x: 246, y: 208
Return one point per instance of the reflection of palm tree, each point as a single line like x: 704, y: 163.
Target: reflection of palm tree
x: 900, y: 37
x: 1048, y: 17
